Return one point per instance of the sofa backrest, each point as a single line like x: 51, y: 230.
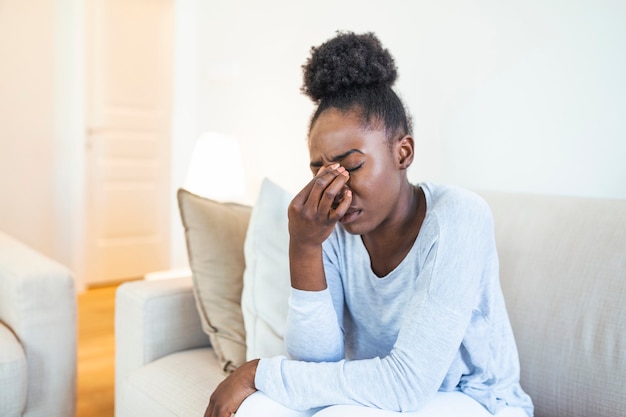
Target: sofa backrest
x: 563, y: 274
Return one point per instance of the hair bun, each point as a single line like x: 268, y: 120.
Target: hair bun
x: 347, y: 61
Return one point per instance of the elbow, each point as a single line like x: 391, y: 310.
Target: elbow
x: 413, y: 389
x: 409, y: 400
x: 303, y: 346
x: 414, y: 403
x: 313, y: 352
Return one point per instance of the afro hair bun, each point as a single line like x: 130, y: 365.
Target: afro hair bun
x: 347, y: 61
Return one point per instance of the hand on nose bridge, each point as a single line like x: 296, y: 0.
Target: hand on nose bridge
x: 340, y: 196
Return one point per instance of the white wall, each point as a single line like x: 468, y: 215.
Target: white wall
x: 41, y: 141
x: 515, y: 96
x: 518, y: 96
x: 27, y: 122
x: 70, y: 137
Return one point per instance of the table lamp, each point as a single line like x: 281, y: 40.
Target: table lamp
x: 216, y: 168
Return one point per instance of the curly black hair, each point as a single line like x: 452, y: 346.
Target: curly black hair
x: 354, y: 72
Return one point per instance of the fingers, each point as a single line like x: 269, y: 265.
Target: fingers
x: 212, y: 411
x: 328, y: 190
x: 232, y: 391
x: 323, y: 194
x: 342, y: 206
x: 328, y: 171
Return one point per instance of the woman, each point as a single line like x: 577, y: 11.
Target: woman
x: 396, y: 302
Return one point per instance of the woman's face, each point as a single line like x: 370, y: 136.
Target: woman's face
x: 375, y: 173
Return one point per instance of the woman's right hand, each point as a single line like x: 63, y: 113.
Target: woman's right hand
x: 313, y: 214
x: 315, y: 210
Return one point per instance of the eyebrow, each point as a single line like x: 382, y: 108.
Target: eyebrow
x: 337, y: 158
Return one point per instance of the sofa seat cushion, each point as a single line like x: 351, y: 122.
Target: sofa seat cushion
x: 12, y: 374
x: 179, y: 384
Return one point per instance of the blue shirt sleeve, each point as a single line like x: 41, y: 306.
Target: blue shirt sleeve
x: 313, y: 330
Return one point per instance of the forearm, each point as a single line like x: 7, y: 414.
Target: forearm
x: 313, y: 213
x: 400, y: 381
x: 370, y: 382
x: 306, y: 267
x: 313, y: 331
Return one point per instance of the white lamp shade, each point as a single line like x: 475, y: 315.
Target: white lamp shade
x: 216, y: 169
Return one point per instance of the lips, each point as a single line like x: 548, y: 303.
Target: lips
x: 350, y: 215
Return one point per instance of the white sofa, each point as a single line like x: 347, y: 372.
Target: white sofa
x: 37, y: 334
x: 563, y: 272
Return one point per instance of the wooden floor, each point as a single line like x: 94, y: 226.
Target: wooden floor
x: 96, y: 349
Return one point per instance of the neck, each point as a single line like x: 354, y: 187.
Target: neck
x: 392, y: 241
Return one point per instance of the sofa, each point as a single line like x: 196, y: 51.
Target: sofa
x: 37, y: 334
x: 563, y: 274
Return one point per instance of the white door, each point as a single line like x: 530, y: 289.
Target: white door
x: 129, y: 82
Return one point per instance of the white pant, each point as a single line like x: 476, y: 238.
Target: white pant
x: 444, y: 404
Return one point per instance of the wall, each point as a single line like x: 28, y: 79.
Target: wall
x: 549, y: 119
x: 40, y: 124
x: 27, y: 121
x: 70, y: 137
x: 514, y: 96
x: 517, y: 96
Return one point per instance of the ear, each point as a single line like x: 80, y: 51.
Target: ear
x: 405, y: 151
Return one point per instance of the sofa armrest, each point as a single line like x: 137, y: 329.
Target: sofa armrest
x: 154, y: 319
x: 38, y: 304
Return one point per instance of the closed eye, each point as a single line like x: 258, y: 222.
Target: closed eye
x: 355, y: 168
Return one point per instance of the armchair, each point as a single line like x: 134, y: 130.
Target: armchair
x: 37, y: 334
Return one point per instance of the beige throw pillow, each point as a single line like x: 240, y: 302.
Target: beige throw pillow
x: 215, y: 234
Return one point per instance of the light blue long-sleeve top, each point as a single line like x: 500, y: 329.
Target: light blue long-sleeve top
x: 438, y: 321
